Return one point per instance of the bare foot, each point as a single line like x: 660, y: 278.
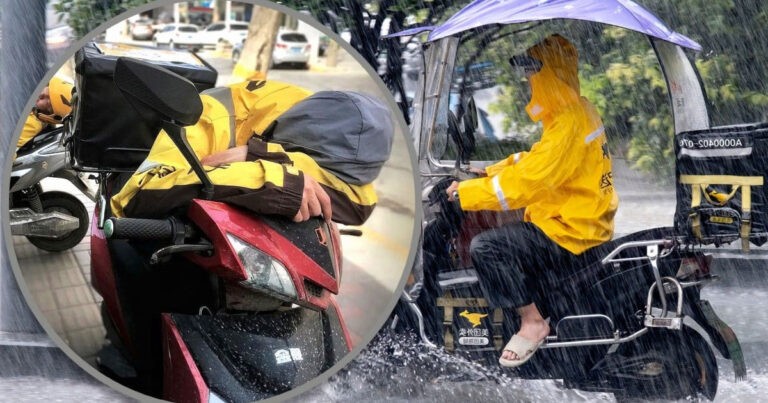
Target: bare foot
x: 533, y: 331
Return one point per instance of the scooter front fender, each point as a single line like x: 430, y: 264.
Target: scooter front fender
x: 249, y: 356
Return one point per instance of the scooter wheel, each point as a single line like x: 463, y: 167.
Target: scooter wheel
x: 67, y: 204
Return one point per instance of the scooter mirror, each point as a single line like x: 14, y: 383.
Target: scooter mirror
x: 464, y: 141
x: 169, y: 94
x: 470, y: 116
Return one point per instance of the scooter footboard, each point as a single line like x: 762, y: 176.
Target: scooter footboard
x: 248, y: 357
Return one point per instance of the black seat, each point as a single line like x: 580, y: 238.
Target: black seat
x: 590, y: 261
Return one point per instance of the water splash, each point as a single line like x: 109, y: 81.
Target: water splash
x: 399, y: 368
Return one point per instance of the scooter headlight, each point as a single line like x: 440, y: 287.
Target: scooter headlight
x: 264, y: 273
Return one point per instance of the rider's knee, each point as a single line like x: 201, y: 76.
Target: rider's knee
x: 480, y: 246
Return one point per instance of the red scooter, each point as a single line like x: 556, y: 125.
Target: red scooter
x: 214, y: 303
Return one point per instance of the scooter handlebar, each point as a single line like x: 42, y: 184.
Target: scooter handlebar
x: 139, y: 229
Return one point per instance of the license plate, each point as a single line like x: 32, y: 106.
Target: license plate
x: 474, y: 341
x: 296, y: 50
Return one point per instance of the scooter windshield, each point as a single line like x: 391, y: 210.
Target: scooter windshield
x: 622, y: 13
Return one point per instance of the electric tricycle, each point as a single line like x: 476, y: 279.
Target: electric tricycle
x: 629, y: 318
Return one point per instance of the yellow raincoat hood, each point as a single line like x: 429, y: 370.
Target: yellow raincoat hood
x: 556, y: 85
x: 565, y: 182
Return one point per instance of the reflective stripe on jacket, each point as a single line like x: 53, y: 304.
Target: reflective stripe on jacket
x: 270, y: 181
x: 565, y: 181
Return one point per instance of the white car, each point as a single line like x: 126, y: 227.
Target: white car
x: 178, y: 36
x: 291, y: 47
x: 232, y: 32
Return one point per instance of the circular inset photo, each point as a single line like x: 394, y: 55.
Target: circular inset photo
x: 212, y: 206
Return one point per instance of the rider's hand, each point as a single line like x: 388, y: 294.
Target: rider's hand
x: 236, y: 154
x: 477, y: 171
x: 314, y: 201
x: 451, y: 189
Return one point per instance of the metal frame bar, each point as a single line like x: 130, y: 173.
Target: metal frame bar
x: 596, y: 342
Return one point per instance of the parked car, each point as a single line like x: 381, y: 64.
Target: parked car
x: 232, y: 32
x: 178, y: 35
x: 142, y: 29
x: 291, y: 47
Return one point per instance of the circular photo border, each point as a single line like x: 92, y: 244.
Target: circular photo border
x: 383, y: 313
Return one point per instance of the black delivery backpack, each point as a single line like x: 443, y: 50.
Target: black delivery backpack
x: 109, y: 134
x: 721, y: 185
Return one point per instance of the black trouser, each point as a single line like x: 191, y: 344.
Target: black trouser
x: 515, y: 263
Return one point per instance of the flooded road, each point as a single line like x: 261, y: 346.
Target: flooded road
x: 398, y: 368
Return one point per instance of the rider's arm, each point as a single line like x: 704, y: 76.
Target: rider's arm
x: 260, y: 186
x: 352, y: 204
x: 549, y: 163
x: 269, y: 181
x: 513, y: 159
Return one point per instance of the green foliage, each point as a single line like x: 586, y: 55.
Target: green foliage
x: 85, y: 15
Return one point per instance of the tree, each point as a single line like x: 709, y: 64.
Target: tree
x: 257, y: 49
x: 365, y: 21
x: 85, y: 16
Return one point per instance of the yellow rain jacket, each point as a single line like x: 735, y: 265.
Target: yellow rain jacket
x: 32, y: 126
x: 565, y: 181
x: 270, y: 181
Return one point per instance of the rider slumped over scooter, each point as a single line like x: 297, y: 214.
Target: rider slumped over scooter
x: 219, y: 272
x: 265, y: 154
x: 563, y: 183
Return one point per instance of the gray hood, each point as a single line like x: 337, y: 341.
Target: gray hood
x: 347, y: 133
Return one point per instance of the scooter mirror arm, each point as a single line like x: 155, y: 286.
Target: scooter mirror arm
x: 102, y: 208
x: 179, y: 137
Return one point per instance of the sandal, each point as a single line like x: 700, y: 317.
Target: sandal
x: 524, y: 349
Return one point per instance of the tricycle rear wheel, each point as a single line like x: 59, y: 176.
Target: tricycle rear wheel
x: 667, y: 364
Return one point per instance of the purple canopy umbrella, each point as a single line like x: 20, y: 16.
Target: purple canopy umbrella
x: 621, y: 13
